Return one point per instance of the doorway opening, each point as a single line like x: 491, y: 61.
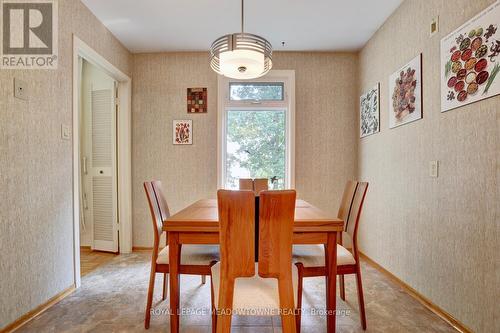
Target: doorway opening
x: 98, y: 173
x: 101, y: 160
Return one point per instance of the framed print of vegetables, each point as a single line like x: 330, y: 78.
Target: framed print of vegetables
x: 369, y: 109
x: 405, y: 93
x: 182, y: 132
x: 470, y: 60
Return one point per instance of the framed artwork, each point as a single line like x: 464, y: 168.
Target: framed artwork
x: 369, y: 112
x: 405, y: 93
x: 197, y: 100
x: 182, y: 132
x: 470, y: 61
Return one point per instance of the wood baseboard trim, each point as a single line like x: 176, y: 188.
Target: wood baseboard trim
x: 145, y: 248
x: 84, y: 247
x: 141, y: 248
x: 24, y: 319
x: 456, y: 324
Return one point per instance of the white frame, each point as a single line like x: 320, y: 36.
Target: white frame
x: 223, y: 102
x: 124, y: 144
x: 377, y: 88
x: 415, y: 63
x: 190, y: 122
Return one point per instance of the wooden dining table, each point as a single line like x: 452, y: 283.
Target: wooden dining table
x: 199, y: 224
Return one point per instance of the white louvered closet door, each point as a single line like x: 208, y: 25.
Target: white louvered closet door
x: 103, y: 189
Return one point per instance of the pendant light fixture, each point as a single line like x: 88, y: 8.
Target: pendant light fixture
x: 241, y: 55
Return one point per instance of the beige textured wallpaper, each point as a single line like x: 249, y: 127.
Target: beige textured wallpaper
x: 439, y: 235
x: 326, y: 90
x: 36, y: 221
x: 189, y: 173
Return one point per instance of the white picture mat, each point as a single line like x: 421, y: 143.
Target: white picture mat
x: 415, y: 63
x: 490, y: 15
x: 174, y: 125
x: 374, y: 109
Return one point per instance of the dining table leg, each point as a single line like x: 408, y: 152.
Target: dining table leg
x: 174, y: 263
x: 331, y: 281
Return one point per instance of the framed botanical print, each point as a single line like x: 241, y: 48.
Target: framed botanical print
x: 470, y: 60
x: 405, y: 93
x: 182, y: 132
x: 369, y: 112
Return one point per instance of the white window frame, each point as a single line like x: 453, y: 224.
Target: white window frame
x: 223, y: 103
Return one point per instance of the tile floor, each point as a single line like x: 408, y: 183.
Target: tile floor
x: 113, y: 296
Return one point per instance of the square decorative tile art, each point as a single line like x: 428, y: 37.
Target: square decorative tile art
x: 182, y: 131
x: 197, y: 100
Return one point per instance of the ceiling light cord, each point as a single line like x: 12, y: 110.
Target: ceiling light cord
x: 242, y: 14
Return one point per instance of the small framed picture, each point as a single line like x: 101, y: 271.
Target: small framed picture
x: 405, y: 93
x: 369, y: 108
x: 197, y: 100
x: 182, y: 132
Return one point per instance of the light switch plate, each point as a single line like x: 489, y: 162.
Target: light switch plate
x: 20, y: 89
x: 433, y: 169
x: 65, y: 132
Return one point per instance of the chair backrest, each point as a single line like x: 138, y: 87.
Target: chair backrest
x: 236, y: 233
x: 276, y: 218
x: 246, y: 184
x: 155, y: 215
x: 260, y: 184
x: 357, y: 206
x: 346, y: 203
x: 160, y: 197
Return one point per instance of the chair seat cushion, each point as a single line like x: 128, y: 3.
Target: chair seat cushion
x: 255, y: 295
x: 314, y: 255
x: 192, y: 254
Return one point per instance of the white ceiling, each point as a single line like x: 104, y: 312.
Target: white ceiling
x: 181, y: 25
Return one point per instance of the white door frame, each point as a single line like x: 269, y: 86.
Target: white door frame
x: 124, y: 144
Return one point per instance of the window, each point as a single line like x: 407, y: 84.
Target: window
x: 257, y: 126
x: 255, y: 146
x: 256, y: 91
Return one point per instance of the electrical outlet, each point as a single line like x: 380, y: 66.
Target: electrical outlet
x: 20, y: 89
x: 65, y: 132
x: 433, y: 169
x: 434, y: 26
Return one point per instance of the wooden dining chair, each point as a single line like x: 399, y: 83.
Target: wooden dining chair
x: 312, y: 256
x: 310, y: 259
x: 195, y: 259
x: 260, y: 184
x: 235, y: 284
x: 246, y: 184
x: 165, y: 214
